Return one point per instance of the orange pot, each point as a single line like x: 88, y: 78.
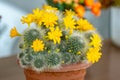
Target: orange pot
x: 69, y: 72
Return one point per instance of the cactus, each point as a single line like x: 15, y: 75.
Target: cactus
x: 50, y: 46
x: 20, y: 55
x: 38, y: 64
x: 62, y: 46
x: 21, y: 60
x: 88, y: 35
x: 75, y: 44
x: 75, y: 58
x: 31, y: 35
x: 23, y: 64
x: 27, y: 58
x: 66, y: 58
x: 64, y: 35
x: 53, y: 60
x: 21, y: 46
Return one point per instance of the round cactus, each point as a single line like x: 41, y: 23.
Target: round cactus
x: 75, y: 44
x: 66, y: 58
x: 23, y: 64
x: 38, y: 64
x: 75, y: 58
x: 28, y: 50
x: 27, y: 58
x: 31, y: 35
x: 50, y: 46
x: 62, y: 46
x: 21, y: 46
x: 21, y: 55
x: 53, y: 60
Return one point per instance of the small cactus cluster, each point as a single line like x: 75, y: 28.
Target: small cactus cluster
x: 75, y: 45
x: 56, y: 40
x: 31, y: 35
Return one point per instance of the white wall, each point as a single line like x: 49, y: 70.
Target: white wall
x: 26, y: 5
x: 10, y: 18
x: 102, y: 23
x: 115, y: 25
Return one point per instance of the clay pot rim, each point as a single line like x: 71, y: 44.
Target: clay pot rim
x: 67, y: 68
x: 71, y: 67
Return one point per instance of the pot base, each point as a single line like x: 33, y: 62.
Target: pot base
x: 70, y: 75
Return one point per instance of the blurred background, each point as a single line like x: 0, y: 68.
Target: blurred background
x: 107, y: 24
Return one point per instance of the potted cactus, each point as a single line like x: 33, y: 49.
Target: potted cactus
x: 57, y: 45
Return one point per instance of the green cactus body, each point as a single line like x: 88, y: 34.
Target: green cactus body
x: 21, y: 60
x: 64, y: 35
x: 75, y: 58
x: 66, y: 58
x: 75, y: 44
x: 53, y: 60
x: 22, y: 63
x: 25, y: 59
x: 50, y: 46
x: 30, y: 36
x: 88, y: 35
x: 21, y: 46
x: 38, y: 64
x: 28, y: 58
x: 28, y: 50
x: 62, y: 46
x: 20, y: 55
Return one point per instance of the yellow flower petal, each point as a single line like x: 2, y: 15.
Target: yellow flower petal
x: 38, y: 16
x: 50, y: 19
x: 69, y: 22
x: 37, y: 45
x: 93, y: 55
x: 55, y: 35
x: 14, y: 32
x: 27, y: 19
x: 95, y: 41
x: 84, y: 25
x: 46, y: 7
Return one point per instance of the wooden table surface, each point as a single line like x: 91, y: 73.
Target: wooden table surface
x: 107, y: 69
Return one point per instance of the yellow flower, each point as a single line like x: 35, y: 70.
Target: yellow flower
x: 78, y: 52
x: 28, y: 19
x: 14, y: 32
x: 69, y: 13
x: 70, y: 51
x: 46, y: 7
x: 55, y: 35
x: 95, y: 41
x: 93, y: 55
x: 37, y: 45
x: 38, y: 15
x: 69, y: 23
x: 84, y: 25
x: 50, y: 19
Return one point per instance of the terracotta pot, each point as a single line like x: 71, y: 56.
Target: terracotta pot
x: 69, y: 72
